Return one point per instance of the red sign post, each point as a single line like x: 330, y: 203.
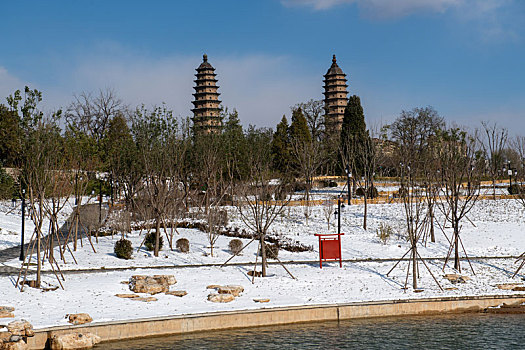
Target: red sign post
x: 330, y: 248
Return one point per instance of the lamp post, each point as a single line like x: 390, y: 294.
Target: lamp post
x: 509, y: 172
x: 348, y: 177
x: 22, y: 255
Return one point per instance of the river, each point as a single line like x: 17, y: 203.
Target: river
x: 465, y: 331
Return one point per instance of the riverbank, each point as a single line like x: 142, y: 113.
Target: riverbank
x: 181, y: 324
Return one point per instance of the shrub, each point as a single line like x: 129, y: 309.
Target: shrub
x: 123, y: 249
x: 515, y: 189
x: 373, y: 192
x: 183, y: 245
x: 149, y: 242
x: 272, y: 251
x: 384, y: 232
x: 235, y: 246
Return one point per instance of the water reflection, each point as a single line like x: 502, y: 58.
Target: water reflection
x: 443, y: 332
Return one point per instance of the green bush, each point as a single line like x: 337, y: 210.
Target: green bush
x: 7, y: 185
x: 183, y: 245
x: 123, y: 249
x: 235, y: 246
x: 149, y: 242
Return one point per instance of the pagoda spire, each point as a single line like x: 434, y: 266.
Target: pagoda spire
x: 335, y: 97
x: 206, y: 111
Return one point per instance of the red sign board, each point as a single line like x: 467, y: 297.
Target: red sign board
x: 329, y: 248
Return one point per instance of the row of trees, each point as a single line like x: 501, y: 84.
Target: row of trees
x: 162, y: 168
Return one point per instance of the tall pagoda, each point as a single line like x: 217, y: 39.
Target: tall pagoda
x: 335, y: 97
x: 206, y: 111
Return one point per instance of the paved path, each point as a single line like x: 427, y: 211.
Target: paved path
x: 14, y: 252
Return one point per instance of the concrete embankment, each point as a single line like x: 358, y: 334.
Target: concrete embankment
x: 170, y: 325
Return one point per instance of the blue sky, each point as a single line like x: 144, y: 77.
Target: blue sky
x: 466, y: 58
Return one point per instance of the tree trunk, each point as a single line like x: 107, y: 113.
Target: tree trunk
x: 366, y: 212
x: 263, y: 254
x: 414, y: 265
x: 157, y: 236
x: 456, y: 247
x: 431, y: 212
x: 39, y: 261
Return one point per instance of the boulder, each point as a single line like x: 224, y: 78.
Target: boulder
x: 233, y: 290
x: 213, y: 286
x: 145, y: 299
x: 79, y: 318
x: 6, y: 311
x: 221, y: 298
x: 21, y: 328
x: 455, y: 278
x: 74, y: 341
x: 127, y: 296
x: 261, y: 300
x: 177, y: 293
x: 18, y: 345
x: 519, y: 289
x: 170, y: 279
x: 508, y: 286
x: 151, y: 284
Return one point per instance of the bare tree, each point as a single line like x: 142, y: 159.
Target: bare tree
x: 256, y: 203
x: 358, y: 155
x: 42, y: 175
x: 328, y: 211
x: 413, y: 132
x: 493, y: 141
x: 313, y: 111
x: 158, y: 138
x: 92, y: 113
x: 518, y: 145
x: 460, y: 165
x: 309, y: 158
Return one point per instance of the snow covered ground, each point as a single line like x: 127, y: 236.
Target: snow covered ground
x: 497, y: 228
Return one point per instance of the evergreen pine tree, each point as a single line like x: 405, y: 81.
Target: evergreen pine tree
x: 299, y: 131
x: 280, y: 147
x: 353, y: 131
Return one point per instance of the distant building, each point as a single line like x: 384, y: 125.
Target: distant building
x: 335, y: 97
x: 206, y: 111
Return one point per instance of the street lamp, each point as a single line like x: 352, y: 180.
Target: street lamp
x: 348, y: 177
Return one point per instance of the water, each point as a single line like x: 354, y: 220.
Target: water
x: 442, y: 332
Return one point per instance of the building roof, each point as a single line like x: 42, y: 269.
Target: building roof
x: 205, y: 64
x: 334, y: 68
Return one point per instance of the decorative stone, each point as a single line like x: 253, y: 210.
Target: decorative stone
x: 127, y: 296
x: 519, y: 289
x: 14, y: 345
x: 221, y: 298
x: 451, y: 288
x: 455, y: 278
x: 177, y: 293
x: 233, y: 290
x: 6, y: 311
x: 82, y: 318
x: 145, y: 299
x: 151, y: 284
x: 261, y: 300
x: 170, y: 279
x: 22, y: 328
x: 418, y: 290
x: 74, y: 341
x: 508, y: 286
x: 213, y: 286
